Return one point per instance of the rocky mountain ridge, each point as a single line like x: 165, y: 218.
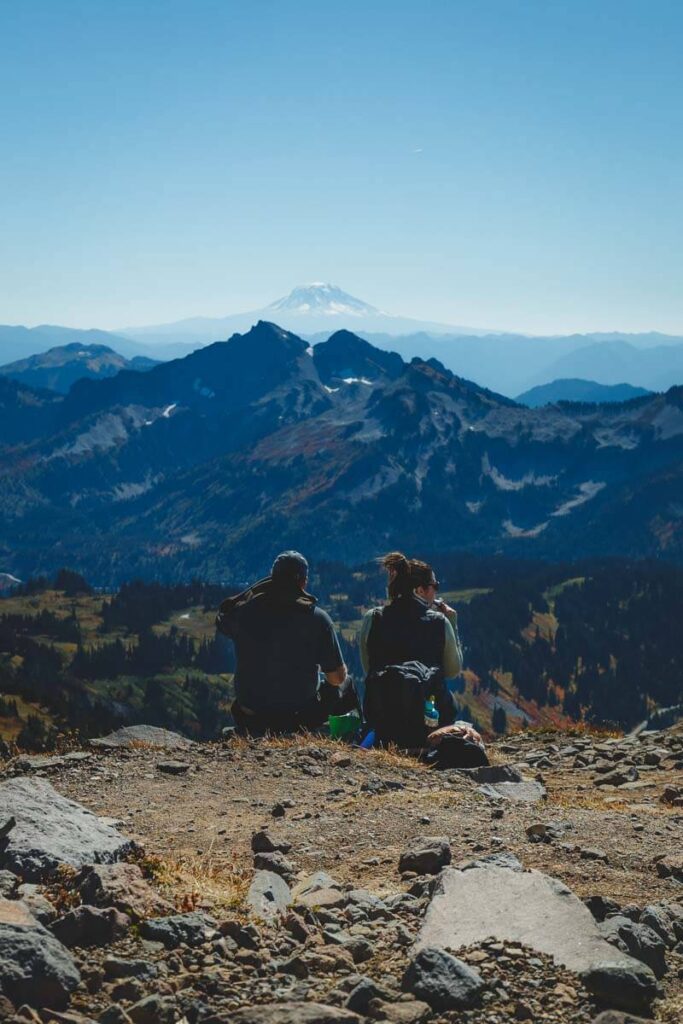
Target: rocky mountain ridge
x: 340, y: 448
x: 304, y: 881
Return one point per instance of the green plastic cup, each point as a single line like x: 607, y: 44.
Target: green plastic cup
x: 343, y: 727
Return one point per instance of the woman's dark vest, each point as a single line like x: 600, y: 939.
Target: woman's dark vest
x: 406, y: 630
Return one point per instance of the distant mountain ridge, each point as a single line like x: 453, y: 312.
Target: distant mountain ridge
x: 207, y: 465
x: 60, y: 367
x: 576, y: 390
x: 17, y: 342
x: 504, y: 362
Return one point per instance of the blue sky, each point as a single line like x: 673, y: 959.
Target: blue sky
x: 509, y: 164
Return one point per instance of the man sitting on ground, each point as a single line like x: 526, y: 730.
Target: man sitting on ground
x: 281, y: 641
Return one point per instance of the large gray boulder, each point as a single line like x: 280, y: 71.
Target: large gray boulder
x: 51, y: 830
x: 132, y: 736
x: 487, y: 899
x: 35, y: 968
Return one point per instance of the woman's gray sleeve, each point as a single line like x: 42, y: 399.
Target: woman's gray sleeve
x: 452, y: 655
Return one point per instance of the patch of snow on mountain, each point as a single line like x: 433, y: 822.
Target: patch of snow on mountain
x: 503, y: 483
x: 133, y: 489
x: 668, y: 422
x: 356, y: 380
x: 587, y: 491
x: 612, y: 437
x: 168, y: 410
x: 517, y: 531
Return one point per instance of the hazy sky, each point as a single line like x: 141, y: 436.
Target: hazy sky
x: 499, y: 163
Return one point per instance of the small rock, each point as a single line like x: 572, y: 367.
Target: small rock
x: 122, y: 886
x: 269, y: 895
x: 173, y: 767
x: 192, y: 929
x: 426, y: 855
x: 277, y: 863
x: 278, y: 811
x: 263, y: 842
x: 441, y: 980
x: 34, y: 966
x: 90, y: 926
x: 620, y: 986
x: 593, y: 853
x: 294, y: 1013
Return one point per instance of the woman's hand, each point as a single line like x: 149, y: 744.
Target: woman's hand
x: 446, y: 610
x: 464, y: 732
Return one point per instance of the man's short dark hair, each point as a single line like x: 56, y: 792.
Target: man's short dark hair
x: 290, y: 566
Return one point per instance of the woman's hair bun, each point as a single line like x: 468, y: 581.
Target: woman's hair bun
x: 396, y: 562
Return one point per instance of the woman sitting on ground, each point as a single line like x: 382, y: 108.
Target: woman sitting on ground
x: 416, y: 629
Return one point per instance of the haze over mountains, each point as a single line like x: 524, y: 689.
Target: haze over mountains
x: 507, y: 363
x: 194, y: 466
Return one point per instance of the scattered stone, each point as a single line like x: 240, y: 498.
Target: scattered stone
x: 426, y: 855
x: 314, y: 883
x: 621, y: 987
x: 493, y: 773
x: 360, y: 997
x: 122, y: 886
x: 39, y: 905
x: 119, y: 967
x: 90, y: 926
x: 618, y: 1017
x: 637, y: 939
x: 278, y: 811
x: 154, y: 1009
x: 517, y: 792
x: 269, y: 896
x: 263, y: 842
x: 190, y: 929
x: 51, y: 830
x: 173, y: 767
x: 671, y: 866
x: 411, y: 1011
x: 277, y: 863
x: 541, y: 832
x: 34, y: 967
x: 294, y: 1013
x: 135, y: 736
x: 618, y: 777
x: 593, y: 853
x: 442, y: 981
x: 671, y: 795
x: 341, y: 760
x: 8, y: 884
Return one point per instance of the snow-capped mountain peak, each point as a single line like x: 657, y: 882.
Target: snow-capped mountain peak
x: 323, y: 300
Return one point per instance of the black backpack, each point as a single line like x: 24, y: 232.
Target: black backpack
x: 395, y: 702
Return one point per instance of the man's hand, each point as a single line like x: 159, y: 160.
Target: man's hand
x: 465, y: 732
x: 337, y: 677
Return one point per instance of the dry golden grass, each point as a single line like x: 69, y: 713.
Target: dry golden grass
x: 212, y: 878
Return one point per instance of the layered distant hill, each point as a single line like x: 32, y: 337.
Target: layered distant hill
x: 574, y: 390
x: 18, y: 342
x: 209, y: 464
x: 60, y: 367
